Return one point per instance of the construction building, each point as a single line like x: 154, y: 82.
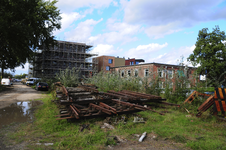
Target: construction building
x: 47, y: 63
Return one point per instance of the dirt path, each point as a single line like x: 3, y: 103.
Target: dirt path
x: 17, y: 93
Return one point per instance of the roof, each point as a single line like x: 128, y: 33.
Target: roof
x: 153, y: 64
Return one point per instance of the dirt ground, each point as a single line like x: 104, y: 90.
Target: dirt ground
x: 17, y: 93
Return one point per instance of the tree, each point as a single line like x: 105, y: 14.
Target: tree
x: 25, y: 25
x: 21, y: 76
x: 210, y: 53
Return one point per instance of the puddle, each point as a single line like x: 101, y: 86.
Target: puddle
x: 17, y: 112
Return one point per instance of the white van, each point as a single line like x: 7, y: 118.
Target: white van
x: 5, y: 81
x: 31, y: 81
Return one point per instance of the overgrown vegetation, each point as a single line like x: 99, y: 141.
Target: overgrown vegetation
x: 174, y: 89
x: 69, y: 77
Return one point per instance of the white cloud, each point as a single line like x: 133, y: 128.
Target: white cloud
x: 170, y: 16
x: 82, y: 32
x: 105, y: 49
x: 19, y: 70
x: 67, y: 20
x: 145, y: 51
x: 71, y: 5
x: 160, y: 31
x: 117, y: 32
x: 163, y: 12
x: 115, y: 3
x: 174, y: 56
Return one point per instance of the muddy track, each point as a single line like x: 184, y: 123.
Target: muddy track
x: 17, y: 93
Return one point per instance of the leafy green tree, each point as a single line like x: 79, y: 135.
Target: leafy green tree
x: 210, y: 53
x: 21, y: 76
x: 25, y: 25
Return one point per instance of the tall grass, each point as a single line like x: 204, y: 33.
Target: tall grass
x: 113, y: 81
x: 173, y: 89
x: 69, y: 77
x: 152, y: 84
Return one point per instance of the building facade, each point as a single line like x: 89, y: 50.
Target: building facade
x: 47, y: 63
x: 151, y: 71
x: 104, y: 63
x: 133, y: 61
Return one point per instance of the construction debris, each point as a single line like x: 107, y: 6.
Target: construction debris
x: 87, y: 102
x: 142, y: 136
x: 138, y: 120
x: 84, y: 126
x: 106, y: 125
x: 217, y: 101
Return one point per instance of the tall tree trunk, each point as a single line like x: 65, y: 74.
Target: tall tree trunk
x: 2, y: 75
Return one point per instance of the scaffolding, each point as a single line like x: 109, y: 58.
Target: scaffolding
x: 64, y: 55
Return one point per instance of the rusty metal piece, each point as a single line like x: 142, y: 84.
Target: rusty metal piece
x: 74, y: 112
x: 89, y: 89
x: 206, y: 105
x: 80, y: 106
x: 64, y: 102
x: 117, y: 96
x: 145, y: 96
x: 101, y: 108
x: 194, y: 95
x: 124, y: 95
x: 134, y: 105
x: 76, y: 109
x: 209, y: 102
x: 64, y: 90
x: 108, y: 107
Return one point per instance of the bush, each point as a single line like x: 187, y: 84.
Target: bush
x: 69, y: 77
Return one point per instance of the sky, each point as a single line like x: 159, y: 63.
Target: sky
x: 160, y: 31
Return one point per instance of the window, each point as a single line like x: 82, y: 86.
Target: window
x: 188, y: 85
x: 131, y: 63
x: 161, y: 85
x: 137, y: 62
x: 129, y: 73
x: 136, y: 73
x: 180, y: 73
x: 171, y: 85
x: 170, y: 74
x: 146, y: 72
x: 107, y: 68
x: 122, y: 73
x: 110, y: 61
x: 160, y: 73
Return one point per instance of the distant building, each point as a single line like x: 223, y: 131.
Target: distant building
x: 30, y: 69
x: 106, y: 62
x: 133, y: 61
x: 47, y: 63
x: 152, y: 70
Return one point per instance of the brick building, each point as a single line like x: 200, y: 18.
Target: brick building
x: 106, y: 62
x: 133, y: 61
x: 152, y: 70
